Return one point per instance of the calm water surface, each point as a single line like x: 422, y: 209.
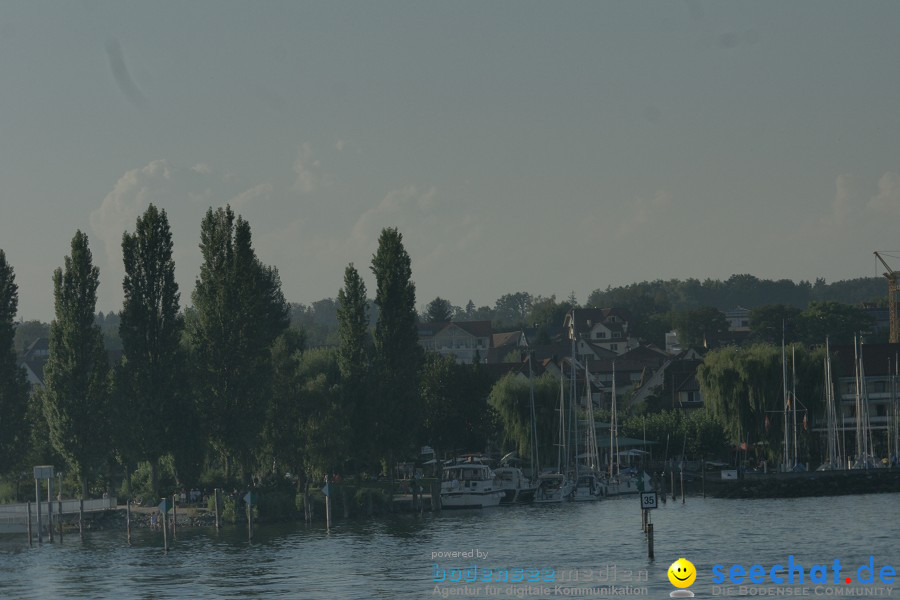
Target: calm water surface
x: 392, y: 558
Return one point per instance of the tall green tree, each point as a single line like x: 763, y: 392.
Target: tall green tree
x: 355, y: 361
x: 510, y: 397
x: 438, y: 310
x: 13, y: 385
x: 76, y: 374
x: 284, y: 412
x: 456, y: 415
x: 149, y: 379
x: 239, y: 311
x: 700, y: 327
x: 398, y: 355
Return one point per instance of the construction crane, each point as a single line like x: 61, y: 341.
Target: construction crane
x: 892, y: 277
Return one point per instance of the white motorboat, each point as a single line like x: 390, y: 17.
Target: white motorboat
x: 469, y: 485
x: 553, y: 487
x: 515, y: 485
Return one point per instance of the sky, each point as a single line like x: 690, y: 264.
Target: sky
x: 546, y: 147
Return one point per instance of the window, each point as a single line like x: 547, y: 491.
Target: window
x: 599, y: 335
x: 617, y: 335
x: 614, y: 347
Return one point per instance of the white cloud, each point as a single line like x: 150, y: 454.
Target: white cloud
x: 644, y: 212
x: 405, y: 208
x: 306, y: 169
x: 185, y: 193
x: 887, y: 200
x: 252, y: 197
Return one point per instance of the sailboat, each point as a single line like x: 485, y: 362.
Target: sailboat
x: 833, y: 462
x: 556, y: 486
x: 616, y: 482
x: 864, y: 459
x: 588, y: 485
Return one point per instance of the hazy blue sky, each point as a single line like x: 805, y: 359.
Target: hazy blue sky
x: 540, y: 146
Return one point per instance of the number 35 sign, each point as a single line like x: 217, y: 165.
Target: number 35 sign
x: 649, y: 500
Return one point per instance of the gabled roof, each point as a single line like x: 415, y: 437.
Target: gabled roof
x: 474, y: 328
x: 586, y: 318
x: 508, y: 338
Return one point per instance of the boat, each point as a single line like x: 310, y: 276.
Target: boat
x: 615, y: 482
x: 588, y: 484
x: 833, y: 462
x: 512, y: 480
x: 556, y: 486
x: 470, y: 484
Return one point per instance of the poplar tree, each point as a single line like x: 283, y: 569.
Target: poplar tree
x: 239, y: 311
x: 398, y: 356
x: 13, y: 385
x: 149, y: 378
x: 354, y: 360
x: 76, y: 374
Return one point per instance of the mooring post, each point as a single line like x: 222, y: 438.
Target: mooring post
x: 174, y: 517
x: 165, y: 527
x: 59, y: 514
x: 217, y: 493
x: 50, y: 508
x: 30, y: 540
x: 128, y: 519
x: 674, y: 490
x: 81, y: 518
x: 327, y: 504
x: 703, y: 477
x: 650, y: 540
x: 644, y: 520
x: 435, y: 496
x: 682, y: 486
x: 250, y: 517
x: 37, y: 500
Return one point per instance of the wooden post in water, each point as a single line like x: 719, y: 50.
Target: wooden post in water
x: 30, y: 539
x: 682, y: 486
x: 50, y: 508
x: 650, y: 541
x: 644, y: 520
x: 674, y: 490
x: 81, y: 518
x: 703, y: 476
x: 327, y: 504
x: 128, y: 519
x: 217, y: 498
x: 435, y: 496
x: 174, y: 517
x: 37, y: 500
x: 59, y: 517
x: 165, y: 532
x: 250, y: 517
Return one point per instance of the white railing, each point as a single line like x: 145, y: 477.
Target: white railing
x: 68, y: 507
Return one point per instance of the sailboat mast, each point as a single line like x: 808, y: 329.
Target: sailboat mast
x: 795, y: 455
x: 615, y: 421
x: 535, y: 456
x: 612, y: 422
x: 785, y: 456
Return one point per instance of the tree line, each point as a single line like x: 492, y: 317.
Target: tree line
x: 225, y: 385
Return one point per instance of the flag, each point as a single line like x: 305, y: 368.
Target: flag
x: 805, y: 423
x: 768, y: 423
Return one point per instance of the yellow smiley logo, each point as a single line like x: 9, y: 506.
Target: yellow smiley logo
x: 682, y: 573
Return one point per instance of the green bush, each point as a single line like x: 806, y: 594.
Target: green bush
x: 142, y: 484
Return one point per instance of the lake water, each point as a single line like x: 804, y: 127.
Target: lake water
x: 392, y: 557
